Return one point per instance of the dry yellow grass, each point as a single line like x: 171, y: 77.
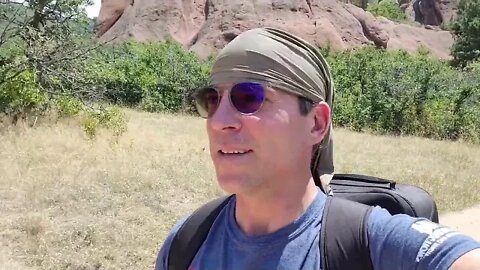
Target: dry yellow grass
x: 71, y: 203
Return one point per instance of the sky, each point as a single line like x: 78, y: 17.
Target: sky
x: 92, y: 11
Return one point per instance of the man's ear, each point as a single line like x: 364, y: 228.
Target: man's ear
x: 321, y: 121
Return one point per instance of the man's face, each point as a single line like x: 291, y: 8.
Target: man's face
x: 252, y: 152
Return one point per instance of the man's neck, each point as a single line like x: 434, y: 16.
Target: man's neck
x: 267, y: 213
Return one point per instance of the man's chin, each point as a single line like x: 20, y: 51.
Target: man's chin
x: 234, y: 185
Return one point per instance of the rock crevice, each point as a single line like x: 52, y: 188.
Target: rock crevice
x: 309, y: 4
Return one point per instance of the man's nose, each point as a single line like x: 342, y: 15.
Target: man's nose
x: 226, y: 117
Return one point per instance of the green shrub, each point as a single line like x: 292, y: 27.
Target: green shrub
x: 110, y: 118
x: 394, y: 92
x: 389, y: 9
x: 155, y: 76
x: 466, y: 30
x: 21, y: 96
x: 90, y: 126
x: 113, y: 119
x: 68, y: 106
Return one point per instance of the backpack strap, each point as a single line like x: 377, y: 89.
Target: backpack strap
x: 192, y: 233
x: 344, y: 247
x: 343, y: 235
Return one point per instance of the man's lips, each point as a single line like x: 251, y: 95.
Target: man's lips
x: 234, y: 152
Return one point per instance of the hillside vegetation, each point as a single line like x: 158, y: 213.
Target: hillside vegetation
x: 50, y: 64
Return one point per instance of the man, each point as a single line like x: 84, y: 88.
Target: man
x: 268, y: 113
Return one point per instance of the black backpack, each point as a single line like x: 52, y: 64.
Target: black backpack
x: 348, y: 209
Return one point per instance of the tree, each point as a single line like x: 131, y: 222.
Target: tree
x: 43, y: 44
x: 466, y: 30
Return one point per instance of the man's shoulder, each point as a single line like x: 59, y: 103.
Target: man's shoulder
x: 414, y: 242
x: 382, y: 224
x: 162, y: 257
x: 381, y: 216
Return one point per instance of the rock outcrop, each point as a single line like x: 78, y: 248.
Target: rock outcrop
x: 110, y: 12
x: 431, y: 12
x: 206, y: 26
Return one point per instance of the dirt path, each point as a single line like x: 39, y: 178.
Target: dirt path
x: 466, y: 221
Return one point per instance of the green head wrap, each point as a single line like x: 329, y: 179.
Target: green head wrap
x: 288, y: 63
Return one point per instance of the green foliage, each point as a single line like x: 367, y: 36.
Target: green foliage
x: 47, y: 58
x: 394, y: 92
x: 446, y: 26
x: 90, y: 126
x: 113, y: 119
x: 49, y: 40
x: 21, y: 96
x: 154, y: 76
x: 68, y: 106
x: 110, y: 118
x: 466, y: 29
x: 44, y: 47
x: 389, y: 9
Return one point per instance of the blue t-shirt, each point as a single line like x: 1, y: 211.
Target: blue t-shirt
x: 396, y: 242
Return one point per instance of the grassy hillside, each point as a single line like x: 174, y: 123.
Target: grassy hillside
x: 72, y: 203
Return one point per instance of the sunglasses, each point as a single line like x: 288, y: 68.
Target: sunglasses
x: 246, y: 97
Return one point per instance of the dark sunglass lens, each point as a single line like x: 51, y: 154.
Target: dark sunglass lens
x: 247, y: 97
x: 207, y: 101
